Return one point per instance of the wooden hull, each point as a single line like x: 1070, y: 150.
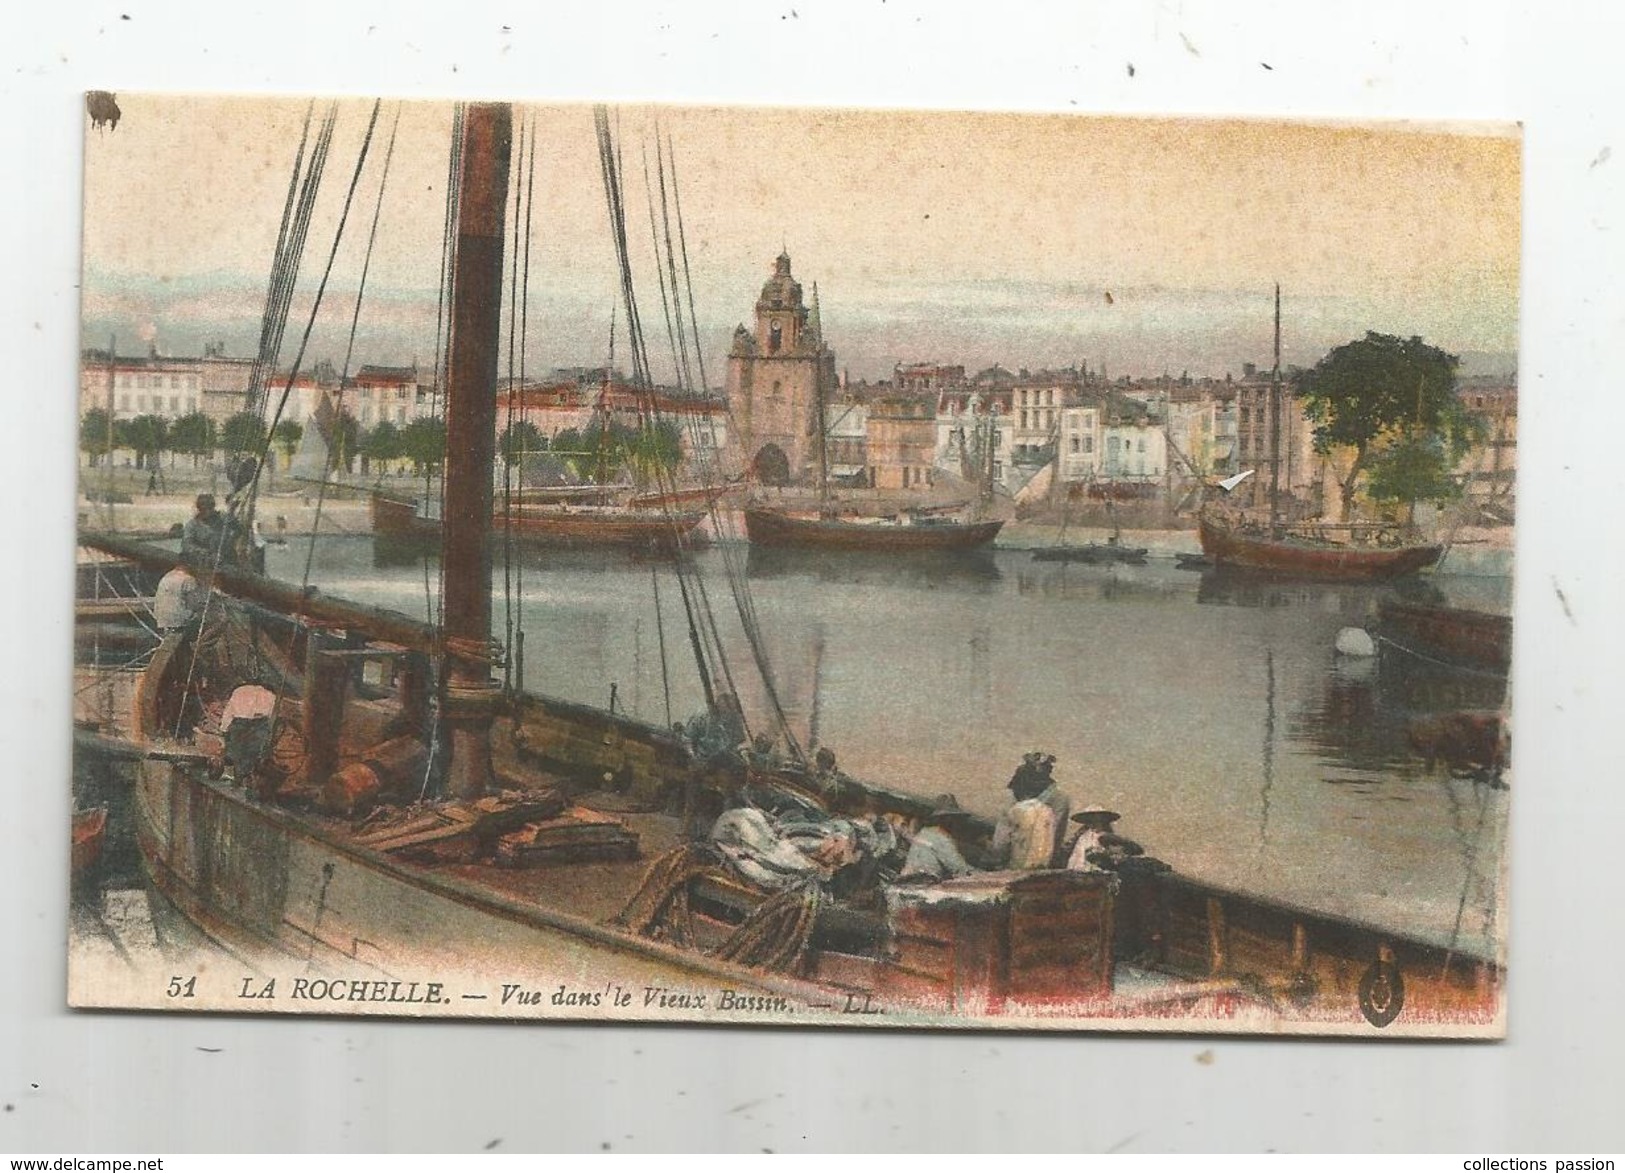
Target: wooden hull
x: 1312, y: 964
x: 553, y: 525
x: 283, y: 894
x: 696, y: 497
x: 1479, y: 639
x: 770, y: 527
x: 266, y: 885
x: 1289, y: 558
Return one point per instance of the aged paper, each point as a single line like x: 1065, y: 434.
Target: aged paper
x: 794, y: 567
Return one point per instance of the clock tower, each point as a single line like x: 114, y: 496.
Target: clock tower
x: 774, y: 376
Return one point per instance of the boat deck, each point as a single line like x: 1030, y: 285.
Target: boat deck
x: 596, y: 890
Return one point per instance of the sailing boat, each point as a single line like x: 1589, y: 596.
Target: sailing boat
x: 1334, y: 553
x: 595, y: 513
x: 924, y: 529
x: 416, y: 840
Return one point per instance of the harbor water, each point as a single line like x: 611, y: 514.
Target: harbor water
x: 1212, y: 712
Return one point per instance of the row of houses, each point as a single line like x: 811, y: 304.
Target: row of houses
x: 1125, y: 438
x: 171, y: 386
x: 934, y: 418
x: 929, y: 421
x: 218, y: 385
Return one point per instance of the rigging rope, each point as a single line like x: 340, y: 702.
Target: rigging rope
x: 687, y: 377
x: 738, y: 584
x: 443, y: 316
x: 435, y: 613
x: 286, y: 258
x: 273, y: 281
x: 310, y: 324
x: 349, y: 350
x: 660, y: 636
x: 517, y: 651
x: 610, y: 168
x: 679, y: 360
x: 507, y: 435
x: 285, y: 267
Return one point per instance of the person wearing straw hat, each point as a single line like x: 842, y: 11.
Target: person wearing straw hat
x: 1097, y: 848
x: 935, y: 853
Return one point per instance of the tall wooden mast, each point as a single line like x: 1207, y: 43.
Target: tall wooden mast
x: 820, y: 420
x: 471, y: 693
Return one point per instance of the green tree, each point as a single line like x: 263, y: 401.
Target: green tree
x: 93, y: 437
x: 1370, y: 394
x: 519, y: 437
x: 243, y: 432
x: 1412, y: 469
x: 655, y: 449
x: 423, y: 442
x: 346, y: 441
x: 286, y: 435
x: 603, y: 450
x: 193, y: 435
x: 148, y: 435
x: 382, y: 442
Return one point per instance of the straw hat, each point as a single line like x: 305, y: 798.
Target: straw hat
x: 946, y: 809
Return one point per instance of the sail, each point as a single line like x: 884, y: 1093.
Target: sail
x: 314, y: 455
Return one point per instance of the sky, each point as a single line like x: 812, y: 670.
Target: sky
x: 1140, y: 246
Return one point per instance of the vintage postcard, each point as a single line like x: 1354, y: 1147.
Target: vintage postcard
x: 794, y: 566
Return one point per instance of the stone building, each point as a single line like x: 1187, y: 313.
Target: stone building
x: 777, y: 375
x: 902, y: 443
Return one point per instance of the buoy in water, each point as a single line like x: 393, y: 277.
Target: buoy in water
x: 1355, y: 641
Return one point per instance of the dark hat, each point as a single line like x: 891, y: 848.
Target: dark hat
x: 1090, y: 813
x: 946, y: 809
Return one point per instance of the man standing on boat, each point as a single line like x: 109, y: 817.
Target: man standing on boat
x: 935, y: 853
x: 1030, y: 834
x: 247, y: 725
x: 203, y: 537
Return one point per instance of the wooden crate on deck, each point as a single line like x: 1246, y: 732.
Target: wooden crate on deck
x: 979, y: 941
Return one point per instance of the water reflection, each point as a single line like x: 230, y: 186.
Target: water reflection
x: 952, y: 571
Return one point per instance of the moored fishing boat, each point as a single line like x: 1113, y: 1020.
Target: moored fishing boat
x: 1480, y: 639
x: 1327, y: 552
x: 902, y: 533
x: 638, y: 526
x: 1092, y: 553
x: 1311, y: 553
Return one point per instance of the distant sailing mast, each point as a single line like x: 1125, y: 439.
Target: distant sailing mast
x: 1275, y: 425
x: 601, y: 470
x: 820, y: 420
x: 107, y: 472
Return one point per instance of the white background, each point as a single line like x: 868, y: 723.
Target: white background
x: 101, y: 1082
